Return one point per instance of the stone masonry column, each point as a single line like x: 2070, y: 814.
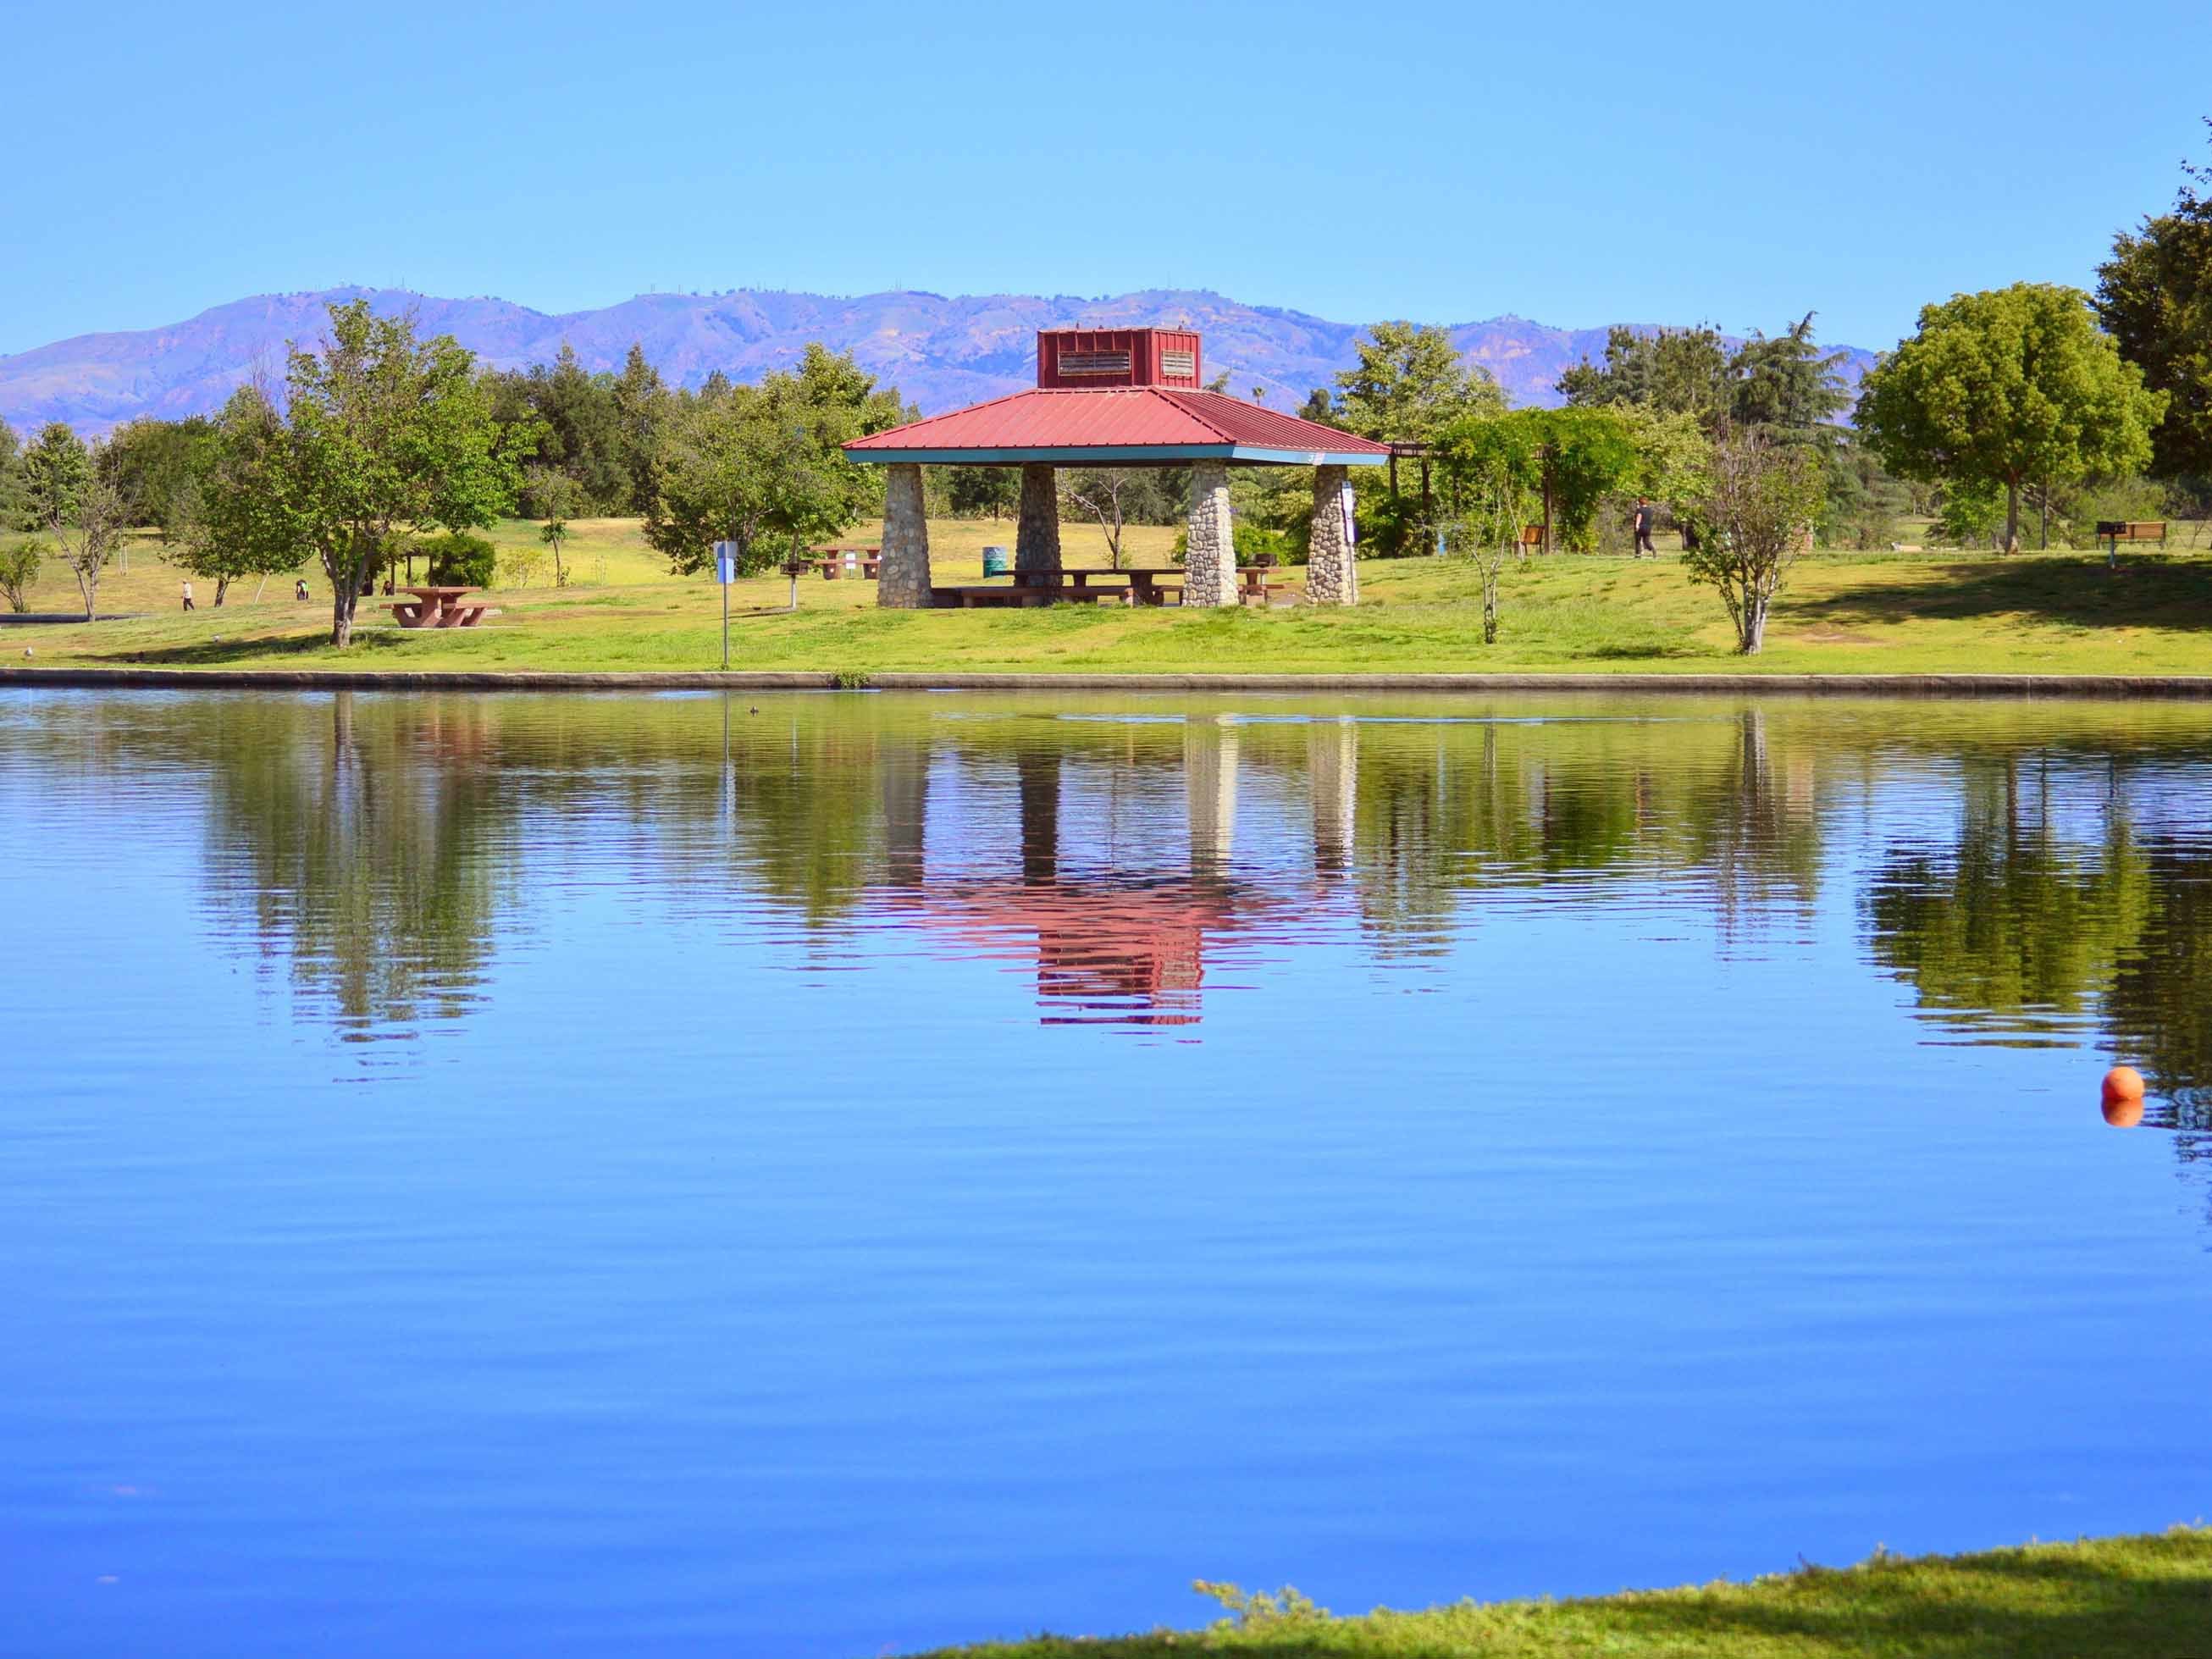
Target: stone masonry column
x: 1209, y: 564
x: 1331, y: 576
x: 1037, y: 535
x: 902, y: 573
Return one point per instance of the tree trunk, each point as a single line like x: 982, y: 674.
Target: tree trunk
x: 222, y: 588
x: 342, y: 599
x: 1754, y: 624
x: 1547, y: 503
x: 2011, y: 515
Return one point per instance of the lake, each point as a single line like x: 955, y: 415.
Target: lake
x: 832, y: 1175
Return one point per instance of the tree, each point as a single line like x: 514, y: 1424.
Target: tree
x: 384, y: 434
x: 1410, y: 383
x: 1565, y: 459
x: 641, y: 408
x: 1672, y: 371
x: 2010, y: 387
x: 1784, y: 386
x: 1319, y: 407
x: 77, y: 504
x: 1102, y: 495
x: 2154, y: 294
x: 1485, y: 501
x: 762, y: 466
x: 554, y: 494
x: 1758, y: 506
x: 154, y: 464
x: 18, y: 568
x: 231, y: 517
x: 974, y: 490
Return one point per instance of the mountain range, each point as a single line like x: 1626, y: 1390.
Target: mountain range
x: 941, y: 352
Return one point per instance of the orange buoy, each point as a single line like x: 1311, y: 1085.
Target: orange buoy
x: 2124, y: 1113
x: 2123, y: 1082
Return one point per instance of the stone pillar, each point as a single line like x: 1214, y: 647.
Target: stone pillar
x: 903, y: 575
x: 1331, y: 576
x: 1036, y: 536
x: 1209, y: 565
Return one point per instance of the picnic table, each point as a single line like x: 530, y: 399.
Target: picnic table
x: 1140, y: 584
x: 866, y: 562
x: 440, y: 607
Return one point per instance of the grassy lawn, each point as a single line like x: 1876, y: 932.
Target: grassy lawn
x: 1842, y: 613
x: 2146, y: 1598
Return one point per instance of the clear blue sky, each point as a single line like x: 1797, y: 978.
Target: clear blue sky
x: 1578, y: 164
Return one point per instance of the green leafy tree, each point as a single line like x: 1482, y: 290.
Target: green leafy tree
x: 385, y: 434
x: 18, y: 568
x: 1410, y: 383
x: 553, y: 496
x: 762, y: 466
x: 1758, y: 506
x: 973, y: 491
x: 1319, y: 407
x: 1672, y: 371
x: 641, y: 405
x: 77, y: 504
x: 1785, y: 386
x: 457, y: 559
x: 16, y: 510
x: 155, y: 463
x: 2010, y: 387
x: 1566, y: 460
x: 231, y: 518
x: 2154, y: 294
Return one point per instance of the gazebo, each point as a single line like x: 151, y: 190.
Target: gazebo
x: 1107, y: 397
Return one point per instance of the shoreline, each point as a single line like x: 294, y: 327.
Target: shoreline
x: 2132, y: 1594
x: 2107, y: 686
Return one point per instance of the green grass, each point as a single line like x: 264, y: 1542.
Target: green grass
x: 2143, y: 1597
x: 1842, y: 613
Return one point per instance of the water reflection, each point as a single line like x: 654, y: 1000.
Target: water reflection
x: 2033, y: 875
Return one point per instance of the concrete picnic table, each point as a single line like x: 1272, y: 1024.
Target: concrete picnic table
x: 440, y: 607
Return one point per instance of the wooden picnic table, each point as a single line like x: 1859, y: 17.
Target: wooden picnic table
x: 440, y: 607
x: 868, y: 560
x: 1144, y: 584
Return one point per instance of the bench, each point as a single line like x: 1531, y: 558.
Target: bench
x: 2112, y: 531
x: 967, y: 599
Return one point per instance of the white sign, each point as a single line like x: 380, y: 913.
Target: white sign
x: 1351, y: 529
x: 725, y: 562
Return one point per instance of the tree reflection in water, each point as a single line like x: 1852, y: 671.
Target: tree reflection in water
x: 2034, y: 873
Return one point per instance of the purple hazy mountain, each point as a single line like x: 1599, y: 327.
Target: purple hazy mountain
x: 940, y: 352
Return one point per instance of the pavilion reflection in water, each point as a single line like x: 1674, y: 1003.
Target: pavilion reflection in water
x: 1117, y: 881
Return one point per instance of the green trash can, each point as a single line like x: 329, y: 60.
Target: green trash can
x: 995, y: 562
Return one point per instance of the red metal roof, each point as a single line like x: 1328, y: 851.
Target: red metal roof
x: 1152, y: 424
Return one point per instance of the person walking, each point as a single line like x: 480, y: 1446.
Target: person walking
x: 1646, y: 515
x: 188, y: 592
x: 299, y: 587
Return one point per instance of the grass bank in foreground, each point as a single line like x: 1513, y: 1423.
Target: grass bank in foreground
x: 1842, y: 613
x: 2145, y: 1597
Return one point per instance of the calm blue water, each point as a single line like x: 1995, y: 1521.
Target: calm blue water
x: 547, y: 1176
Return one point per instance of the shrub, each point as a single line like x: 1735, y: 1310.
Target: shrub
x: 18, y: 568
x: 460, y: 560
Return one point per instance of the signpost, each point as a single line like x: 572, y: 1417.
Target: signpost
x: 1351, y: 529
x: 726, y: 572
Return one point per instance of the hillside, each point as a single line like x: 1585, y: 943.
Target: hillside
x: 941, y: 352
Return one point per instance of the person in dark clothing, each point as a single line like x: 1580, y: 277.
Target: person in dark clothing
x: 1646, y: 514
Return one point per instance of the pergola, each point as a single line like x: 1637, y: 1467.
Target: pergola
x: 1108, y: 398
